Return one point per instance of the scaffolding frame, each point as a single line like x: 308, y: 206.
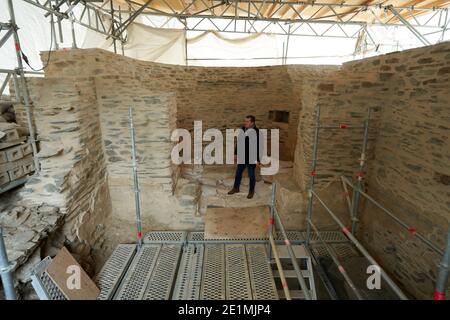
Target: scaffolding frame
x: 353, y: 204
x: 22, y: 94
x: 246, y: 17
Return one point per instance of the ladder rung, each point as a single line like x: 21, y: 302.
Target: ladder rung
x: 291, y: 273
x: 295, y: 294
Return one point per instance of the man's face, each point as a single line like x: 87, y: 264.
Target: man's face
x: 248, y: 123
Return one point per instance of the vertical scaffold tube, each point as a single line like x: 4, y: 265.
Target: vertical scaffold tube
x: 272, y: 219
x: 137, y: 196
x: 360, y: 174
x: 363, y: 250
x: 5, y: 271
x: 312, y: 175
x: 23, y: 86
x: 444, y: 268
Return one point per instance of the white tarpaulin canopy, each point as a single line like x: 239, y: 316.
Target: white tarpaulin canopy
x: 171, y: 45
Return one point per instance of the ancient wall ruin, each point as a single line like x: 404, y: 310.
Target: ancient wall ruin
x: 409, y: 94
x: 81, y: 115
x: 220, y: 97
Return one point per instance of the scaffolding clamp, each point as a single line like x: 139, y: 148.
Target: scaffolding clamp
x: 11, y: 266
x: 412, y: 231
x: 345, y: 230
x: 439, y: 295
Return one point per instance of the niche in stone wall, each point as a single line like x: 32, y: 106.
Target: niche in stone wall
x: 279, y: 116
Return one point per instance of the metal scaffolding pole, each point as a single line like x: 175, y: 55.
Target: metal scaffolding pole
x: 298, y: 271
x: 361, y: 248
x: 280, y: 269
x: 137, y: 196
x: 409, y: 228
x: 360, y: 174
x: 409, y: 26
x: 312, y: 174
x: 271, y: 220
x: 6, y: 271
x: 112, y: 24
x: 123, y: 26
x: 336, y: 261
x: 444, y: 268
x: 23, y: 86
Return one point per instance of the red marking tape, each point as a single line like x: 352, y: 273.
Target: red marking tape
x: 360, y: 174
x: 139, y: 234
x: 271, y: 221
x: 284, y: 284
x: 412, y: 231
x: 17, y: 44
x: 345, y: 230
x: 287, y: 242
x: 313, y: 173
x: 341, y: 269
x: 439, y: 295
x: 343, y: 126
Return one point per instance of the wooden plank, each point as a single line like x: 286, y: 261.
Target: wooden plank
x: 61, y: 271
x: 236, y: 223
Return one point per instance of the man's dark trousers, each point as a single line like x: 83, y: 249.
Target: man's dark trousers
x: 251, y: 174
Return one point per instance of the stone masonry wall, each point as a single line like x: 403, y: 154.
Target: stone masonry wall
x: 154, y: 115
x: 220, y: 97
x: 344, y: 99
x: 410, y: 173
x: 408, y: 152
x: 73, y: 171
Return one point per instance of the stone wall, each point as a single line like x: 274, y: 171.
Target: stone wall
x: 73, y: 171
x: 83, y: 102
x: 344, y: 99
x: 410, y: 173
x: 408, y: 151
x: 220, y: 97
x: 160, y: 95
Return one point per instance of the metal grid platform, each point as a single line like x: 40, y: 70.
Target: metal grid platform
x: 44, y: 286
x: 198, y: 271
x: 151, y: 273
x: 343, y: 250
x: 296, y: 237
x: 165, y: 237
x: 183, y: 265
x: 225, y: 271
x: 112, y: 272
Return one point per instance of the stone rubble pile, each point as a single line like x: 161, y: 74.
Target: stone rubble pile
x: 26, y: 231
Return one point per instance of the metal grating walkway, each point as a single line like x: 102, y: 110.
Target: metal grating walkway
x: 187, y: 271
x: 183, y: 265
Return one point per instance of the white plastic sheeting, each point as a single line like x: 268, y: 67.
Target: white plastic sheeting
x: 204, y: 48
x: 153, y: 44
x: 143, y: 43
x: 211, y: 48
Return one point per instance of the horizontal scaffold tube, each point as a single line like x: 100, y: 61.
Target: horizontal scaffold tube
x: 280, y: 268
x: 419, y: 236
x: 291, y: 253
x: 335, y: 259
x: 361, y: 248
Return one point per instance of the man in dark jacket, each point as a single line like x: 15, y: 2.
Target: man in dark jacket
x: 247, y: 154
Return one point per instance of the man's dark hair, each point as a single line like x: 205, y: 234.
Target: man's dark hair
x: 252, y: 118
